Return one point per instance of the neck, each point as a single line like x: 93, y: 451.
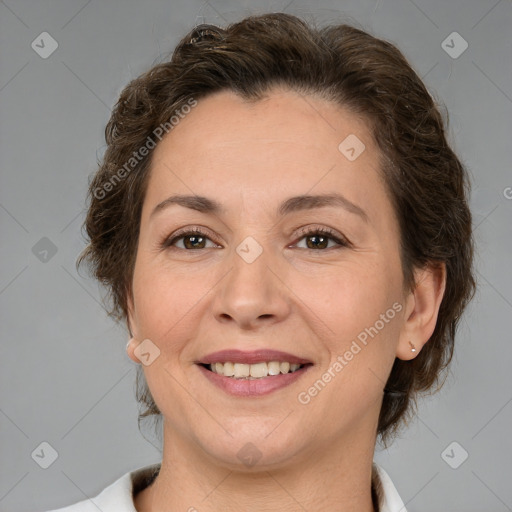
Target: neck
x: 339, y: 480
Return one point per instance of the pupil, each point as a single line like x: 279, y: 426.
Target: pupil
x: 192, y: 240
x: 315, y: 237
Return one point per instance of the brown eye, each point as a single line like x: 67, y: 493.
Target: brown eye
x: 192, y: 239
x: 318, y: 239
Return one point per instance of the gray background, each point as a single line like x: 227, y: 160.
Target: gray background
x: 65, y: 377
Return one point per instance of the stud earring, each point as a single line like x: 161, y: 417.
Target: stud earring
x: 413, y: 348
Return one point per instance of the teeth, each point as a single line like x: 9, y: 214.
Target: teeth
x: 229, y: 369
x: 241, y: 370
x: 258, y: 370
x: 253, y: 371
x: 274, y: 368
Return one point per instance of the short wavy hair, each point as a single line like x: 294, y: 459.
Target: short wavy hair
x: 426, y: 182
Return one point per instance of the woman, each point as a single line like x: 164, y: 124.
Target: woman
x: 285, y: 230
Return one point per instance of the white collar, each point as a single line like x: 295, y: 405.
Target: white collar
x: 118, y: 496
x: 390, y: 499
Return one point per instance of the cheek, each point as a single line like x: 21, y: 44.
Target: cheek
x: 348, y: 301
x: 361, y: 313
x: 166, y: 314
x: 163, y: 300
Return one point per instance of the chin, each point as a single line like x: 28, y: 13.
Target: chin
x: 259, y: 451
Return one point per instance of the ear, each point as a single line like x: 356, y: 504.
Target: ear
x: 422, y: 309
x: 133, y: 342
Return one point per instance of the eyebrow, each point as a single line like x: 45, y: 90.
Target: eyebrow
x: 293, y: 204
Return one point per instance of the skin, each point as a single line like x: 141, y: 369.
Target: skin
x: 311, y: 302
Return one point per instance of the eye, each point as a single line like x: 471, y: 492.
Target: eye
x: 196, y: 238
x: 192, y: 239
x: 319, y: 238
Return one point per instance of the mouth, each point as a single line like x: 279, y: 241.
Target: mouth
x: 255, y: 373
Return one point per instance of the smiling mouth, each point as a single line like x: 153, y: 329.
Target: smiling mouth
x: 254, y: 371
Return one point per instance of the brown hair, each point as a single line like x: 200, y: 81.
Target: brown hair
x: 426, y: 182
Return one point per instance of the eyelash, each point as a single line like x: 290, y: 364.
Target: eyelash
x: 168, y: 243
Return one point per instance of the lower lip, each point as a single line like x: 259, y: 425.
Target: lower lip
x: 256, y: 387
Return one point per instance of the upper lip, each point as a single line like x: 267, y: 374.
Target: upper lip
x: 251, y: 357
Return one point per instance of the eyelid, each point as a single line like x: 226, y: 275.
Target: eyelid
x: 327, y: 231
x: 201, y: 230
x: 168, y: 241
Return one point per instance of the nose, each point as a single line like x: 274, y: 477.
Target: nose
x: 252, y: 294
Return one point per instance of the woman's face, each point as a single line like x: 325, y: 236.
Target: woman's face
x: 261, y: 278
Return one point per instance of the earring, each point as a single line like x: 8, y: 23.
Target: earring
x: 413, y: 348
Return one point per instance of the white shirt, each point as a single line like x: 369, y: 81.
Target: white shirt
x: 118, y: 496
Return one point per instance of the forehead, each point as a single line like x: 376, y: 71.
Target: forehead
x: 226, y: 118
x: 284, y: 144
